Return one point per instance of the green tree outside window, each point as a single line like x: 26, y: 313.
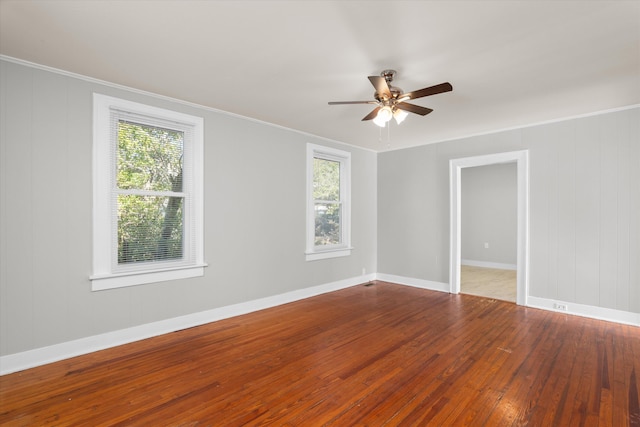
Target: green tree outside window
x: 149, y: 183
x: 327, y: 204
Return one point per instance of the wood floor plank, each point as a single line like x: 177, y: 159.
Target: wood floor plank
x: 381, y: 355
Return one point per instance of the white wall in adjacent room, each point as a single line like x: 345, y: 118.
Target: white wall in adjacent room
x: 489, y: 215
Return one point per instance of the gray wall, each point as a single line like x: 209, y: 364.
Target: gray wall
x: 585, y: 213
x: 254, y: 216
x: 584, y: 208
x: 489, y: 213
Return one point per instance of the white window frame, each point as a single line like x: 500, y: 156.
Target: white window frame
x: 317, y: 252
x: 107, y: 274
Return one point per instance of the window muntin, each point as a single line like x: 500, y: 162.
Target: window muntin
x: 328, y: 192
x: 148, y: 171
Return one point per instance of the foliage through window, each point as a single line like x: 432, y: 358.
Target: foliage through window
x: 326, y: 195
x: 150, y: 198
x: 147, y: 194
x: 328, y: 202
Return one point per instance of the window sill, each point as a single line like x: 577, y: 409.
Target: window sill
x: 328, y: 253
x: 121, y: 280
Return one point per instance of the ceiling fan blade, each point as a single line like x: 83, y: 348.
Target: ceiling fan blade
x: 372, y: 114
x: 432, y: 90
x: 351, y: 102
x: 382, y: 88
x: 412, y: 108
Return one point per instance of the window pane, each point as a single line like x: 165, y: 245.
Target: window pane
x: 149, y: 157
x: 327, y: 224
x: 149, y: 228
x: 326, y: 179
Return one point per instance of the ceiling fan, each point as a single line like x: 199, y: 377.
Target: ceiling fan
x: 391, y: 100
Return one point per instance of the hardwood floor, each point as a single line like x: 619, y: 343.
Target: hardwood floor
x: 488, y: 282
x: 367, y: 355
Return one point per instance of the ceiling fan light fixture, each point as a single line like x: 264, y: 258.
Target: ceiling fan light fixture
x: 378, y: 121
x: 384, y: 115
x: 400, y: 115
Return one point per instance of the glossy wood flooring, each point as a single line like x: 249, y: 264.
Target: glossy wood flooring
x: 380, y: 355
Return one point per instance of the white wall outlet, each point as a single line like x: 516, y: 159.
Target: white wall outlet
x: 486, y: 245
x: 364, y: 271
x: 561, y: 307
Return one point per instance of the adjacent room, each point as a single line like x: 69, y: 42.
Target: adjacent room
x: 319, y: 213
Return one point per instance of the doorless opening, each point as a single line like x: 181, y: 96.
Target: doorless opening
x: 488, y: 231
x: 521, y: 158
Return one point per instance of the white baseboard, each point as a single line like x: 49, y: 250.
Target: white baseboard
x: 600, y: 313
x: 488, y: 264
x: 41, y: 356
x: 416, y: 283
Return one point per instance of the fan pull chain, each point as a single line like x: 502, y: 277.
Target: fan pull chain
x: 389, y: 134
x: 388, y: 126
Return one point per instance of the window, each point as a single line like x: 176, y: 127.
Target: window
x: 147, y: 194
x: 328, y: 203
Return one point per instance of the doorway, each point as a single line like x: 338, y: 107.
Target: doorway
x: 521, y: 158
x: 488, y: 231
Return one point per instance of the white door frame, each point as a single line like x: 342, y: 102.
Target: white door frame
x: 521, y: 158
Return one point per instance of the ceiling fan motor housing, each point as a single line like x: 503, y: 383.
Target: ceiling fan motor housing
x: 395, y: 91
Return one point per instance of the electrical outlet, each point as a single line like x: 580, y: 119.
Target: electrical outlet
x: 561, y: 307
x: 486, y: 245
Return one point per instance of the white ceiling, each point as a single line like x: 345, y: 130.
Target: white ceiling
x: 511, y: 63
